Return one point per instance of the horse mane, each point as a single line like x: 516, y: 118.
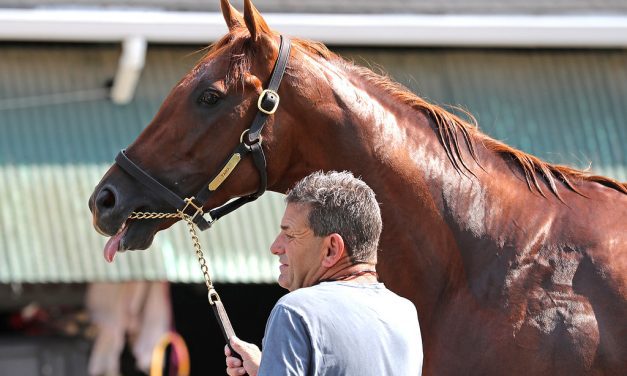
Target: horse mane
x: 451, y: 128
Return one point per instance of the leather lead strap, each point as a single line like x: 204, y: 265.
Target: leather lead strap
x: 225, y: 324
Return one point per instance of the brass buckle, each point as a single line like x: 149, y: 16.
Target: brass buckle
x: 241, y: 139
x: 263, y: 93
x: 190, y: 202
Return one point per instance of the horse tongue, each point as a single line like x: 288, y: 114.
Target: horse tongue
x: 112, y: 246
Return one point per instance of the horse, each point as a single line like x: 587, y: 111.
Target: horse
x: 515, y: 265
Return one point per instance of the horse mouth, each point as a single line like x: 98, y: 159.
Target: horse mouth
x: 114, y: 243
x: 132, y: 235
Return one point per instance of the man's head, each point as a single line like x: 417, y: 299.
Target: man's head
x: 343, y: 204
x: 329, y: 217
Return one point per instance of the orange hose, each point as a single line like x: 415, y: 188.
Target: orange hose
x: 180, y: 350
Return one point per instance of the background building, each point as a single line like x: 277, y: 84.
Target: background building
x: 79, y: 80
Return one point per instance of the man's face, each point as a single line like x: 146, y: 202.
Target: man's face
x: 300, y: 251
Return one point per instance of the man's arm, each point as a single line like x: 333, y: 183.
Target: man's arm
x: 286, y: 344
x: 286, y: 348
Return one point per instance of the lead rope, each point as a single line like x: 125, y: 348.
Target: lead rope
x: 212, y: 295
x: 192, y: 231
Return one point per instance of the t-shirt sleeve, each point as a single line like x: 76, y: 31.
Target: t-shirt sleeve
x: 286, y: 344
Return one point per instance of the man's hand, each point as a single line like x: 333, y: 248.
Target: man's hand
x: 251, y: 357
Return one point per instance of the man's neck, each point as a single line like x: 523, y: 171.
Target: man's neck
x: 362, y: 273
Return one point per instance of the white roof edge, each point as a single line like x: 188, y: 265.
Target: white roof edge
x: 588, y: 31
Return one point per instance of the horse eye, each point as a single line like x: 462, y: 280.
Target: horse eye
x: 209, y: 97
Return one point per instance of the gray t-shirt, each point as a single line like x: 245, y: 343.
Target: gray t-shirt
x: 342, y: 328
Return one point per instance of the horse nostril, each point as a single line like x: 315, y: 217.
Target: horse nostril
x: 105, y: 199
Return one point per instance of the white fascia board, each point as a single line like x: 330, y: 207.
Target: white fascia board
x: 593, y: 31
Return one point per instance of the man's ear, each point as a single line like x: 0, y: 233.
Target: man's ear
x: 334, y: 251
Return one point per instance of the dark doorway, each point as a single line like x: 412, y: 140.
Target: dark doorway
x: 248, y: 306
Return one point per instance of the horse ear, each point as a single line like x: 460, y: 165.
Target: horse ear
x: 231, y: 15
x: 255, y: 23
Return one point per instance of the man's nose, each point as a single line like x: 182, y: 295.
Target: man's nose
x: 276, y: 248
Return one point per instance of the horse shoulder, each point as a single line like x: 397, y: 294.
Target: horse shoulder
x: 601, y: 278
x: 573, y: 298
x: 597, y: 225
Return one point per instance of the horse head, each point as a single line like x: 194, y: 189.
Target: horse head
x: 200, y: 122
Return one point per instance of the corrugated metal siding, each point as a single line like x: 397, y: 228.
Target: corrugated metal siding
x: 564, y: 106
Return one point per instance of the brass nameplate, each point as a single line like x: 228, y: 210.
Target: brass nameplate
x: 226, y: 171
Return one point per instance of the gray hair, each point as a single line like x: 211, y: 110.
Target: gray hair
x: 343, y: 204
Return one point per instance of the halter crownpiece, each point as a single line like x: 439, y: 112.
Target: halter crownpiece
x: 267, y: 104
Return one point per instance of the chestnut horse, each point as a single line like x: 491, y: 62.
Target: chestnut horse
x: 516, y: 266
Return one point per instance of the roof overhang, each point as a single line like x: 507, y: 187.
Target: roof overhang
x: 137, y: 28
x: 582, y: 31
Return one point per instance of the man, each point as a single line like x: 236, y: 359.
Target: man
x: 337, y: 319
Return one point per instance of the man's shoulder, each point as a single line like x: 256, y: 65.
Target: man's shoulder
x: 303, y: 294
x: 337, y: 293
x: 307, y: 298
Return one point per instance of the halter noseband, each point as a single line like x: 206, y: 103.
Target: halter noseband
x: 193, y: 206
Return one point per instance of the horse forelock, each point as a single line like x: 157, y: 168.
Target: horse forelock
x: 234, y: 46
x: 453, y: 131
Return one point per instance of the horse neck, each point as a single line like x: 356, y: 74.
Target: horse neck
x: 367, y: 133
x: 428, y: 205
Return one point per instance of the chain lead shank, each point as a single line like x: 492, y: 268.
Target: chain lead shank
x: 204, y: 267
x: 212, y: 296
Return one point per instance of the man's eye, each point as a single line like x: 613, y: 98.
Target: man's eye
x: 209, y: 97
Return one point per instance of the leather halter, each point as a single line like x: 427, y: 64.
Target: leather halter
x: 193, y: 206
